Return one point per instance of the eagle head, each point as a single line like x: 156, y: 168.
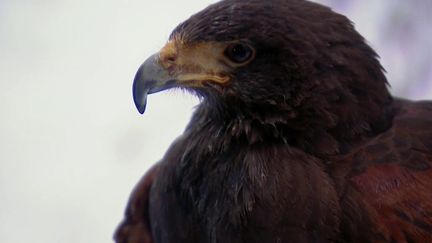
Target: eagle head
x: 289, y: 62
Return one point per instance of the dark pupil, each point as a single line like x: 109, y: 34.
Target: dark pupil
x: 239, y: 53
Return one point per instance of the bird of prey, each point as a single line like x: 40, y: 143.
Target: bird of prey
x: 296, y: 137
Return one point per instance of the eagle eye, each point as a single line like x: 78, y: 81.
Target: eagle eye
x: 239, y: 53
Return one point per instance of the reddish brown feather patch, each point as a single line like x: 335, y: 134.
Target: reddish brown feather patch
x: 399, y: 200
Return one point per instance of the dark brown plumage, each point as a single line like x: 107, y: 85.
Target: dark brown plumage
x: 296, y: 139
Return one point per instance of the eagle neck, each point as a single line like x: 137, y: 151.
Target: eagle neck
x: 227, y: 125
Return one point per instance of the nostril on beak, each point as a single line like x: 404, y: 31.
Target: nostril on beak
x: 171, y: 59
x: 168, y: 60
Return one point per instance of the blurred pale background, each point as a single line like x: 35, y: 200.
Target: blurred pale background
x: 72, y: 145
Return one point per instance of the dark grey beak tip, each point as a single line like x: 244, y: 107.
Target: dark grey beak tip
x: 139, y: 94
x: 141, y: 109
x: 140, y: 103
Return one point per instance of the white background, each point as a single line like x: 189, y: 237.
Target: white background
x: 72, y: 145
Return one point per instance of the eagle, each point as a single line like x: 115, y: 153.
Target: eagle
x: 296, y: 137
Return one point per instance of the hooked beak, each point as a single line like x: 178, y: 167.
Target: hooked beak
x: 195, y: 66
x: 150, y: 78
